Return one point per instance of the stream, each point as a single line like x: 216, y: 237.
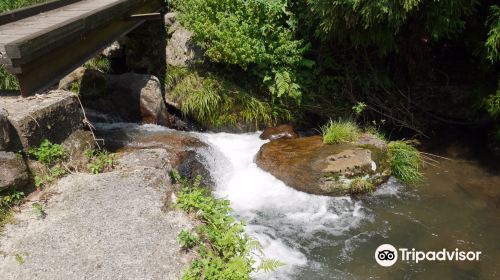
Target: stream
x: 320, y: 237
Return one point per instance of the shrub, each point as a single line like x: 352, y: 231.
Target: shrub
x: 336, y: 132
x: 48, y: 153
x: 405, y: 161
x: 7, y: 80
x: 225, y: 250
x: 254, y: 35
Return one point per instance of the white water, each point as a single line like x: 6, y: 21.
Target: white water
x: 288, y: 223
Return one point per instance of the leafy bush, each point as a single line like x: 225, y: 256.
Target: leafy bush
x: 493, y: 41
x: 336, y: 132
x: 214, y: 101
x: 48, y: 153
x: 255, y: 35
x: 225, y: 250
x: 405, y: 162
x: 100, y: 161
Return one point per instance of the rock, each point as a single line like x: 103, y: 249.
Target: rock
x: 170, y: 19
x: 4, y: 130
x: 367, y: 139
x: 53, y: 115
x: 309, y: 165
x: 283, y: 131
x: 138, y: 96
x: 76, y: 145
x: 73, y: 77
x: 13, y: 170
x: 106, y: 226
x: 180, y: 51
x: 182, y: 149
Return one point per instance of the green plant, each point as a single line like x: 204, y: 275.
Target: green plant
x: 7, y: 80
x: 7, y: 5
x: 405, y: 161
x: 225, y: 250
x: 100, y: 161
x: 360, y: 185
x: 493, y: 104
x: 99, y: 63
x: 493, y: 41
x: 187, y: 239
x: 8, y: 199
x: 48, y: 153
x: 254, y: 35
x: 359, y: 108
x: 214, y: 101
x: 336, y: 132
x: 20, y: 259
x: 38, y: 210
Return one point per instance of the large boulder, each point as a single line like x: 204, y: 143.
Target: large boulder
x: 180, y: 51
x: 53, y: 115
x: 283, y: 131
x: 13, y: 170
x: 309, y: 165
x: 4, y: 130
x: 138, y: 96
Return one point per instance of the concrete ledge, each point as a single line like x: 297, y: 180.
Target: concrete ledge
x: 54, y: 116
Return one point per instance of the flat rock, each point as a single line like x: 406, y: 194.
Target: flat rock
x: 309, y: 165
x: 106, y: 226
x: 53, y: 115
x: 13, y: 171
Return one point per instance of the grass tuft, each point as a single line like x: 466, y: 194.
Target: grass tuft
x: 341, y: 131
x: 405, y: 161
x: 360, y: 185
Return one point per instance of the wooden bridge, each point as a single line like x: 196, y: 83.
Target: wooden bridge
x: 43, y: 43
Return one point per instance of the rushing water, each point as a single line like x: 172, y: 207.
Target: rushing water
x: 319, y: 237
x: 335, y: 237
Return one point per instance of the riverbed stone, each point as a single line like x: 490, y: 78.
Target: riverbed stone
x: 309, y: 165
x: 13, y: 171
x: 283, y: 131
x: 4, y: 129
x: 53, y: 115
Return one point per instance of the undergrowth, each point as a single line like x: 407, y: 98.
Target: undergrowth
x: 215, y: 102
x: 341, y: 131
x: 8, y: 199
x: 99, y: 63
x: 405, y: 161
x: 360, y: 185
x: 224, y: 250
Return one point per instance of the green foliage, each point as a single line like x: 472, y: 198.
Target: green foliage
x: 341, y: 131
x: 99, y: 63
x: 225, y: 250
x: 7, y: 80
x: 8, y: 5
x: 255, y: 35
x: 20, y: 259
x: 48, y: 153
x: 493, y: 41
x: 8, y: 198
x: 405, y: 161
x: 493, y: 104
x: 38, y: 210
x: 100, y: 161
x: 359, y: 108
x: 360, y: 185
x: 377, y: 23
x: 215, y: 102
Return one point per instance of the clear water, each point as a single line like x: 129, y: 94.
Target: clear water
x: 335, y: 238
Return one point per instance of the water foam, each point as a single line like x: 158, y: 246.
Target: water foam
x: 287, y: 222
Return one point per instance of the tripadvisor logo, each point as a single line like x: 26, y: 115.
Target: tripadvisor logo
x: 387, y: 255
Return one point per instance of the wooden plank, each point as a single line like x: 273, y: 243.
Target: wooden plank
x: 16, y: 15
x: 38, y: 43
x: 44, y: 71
